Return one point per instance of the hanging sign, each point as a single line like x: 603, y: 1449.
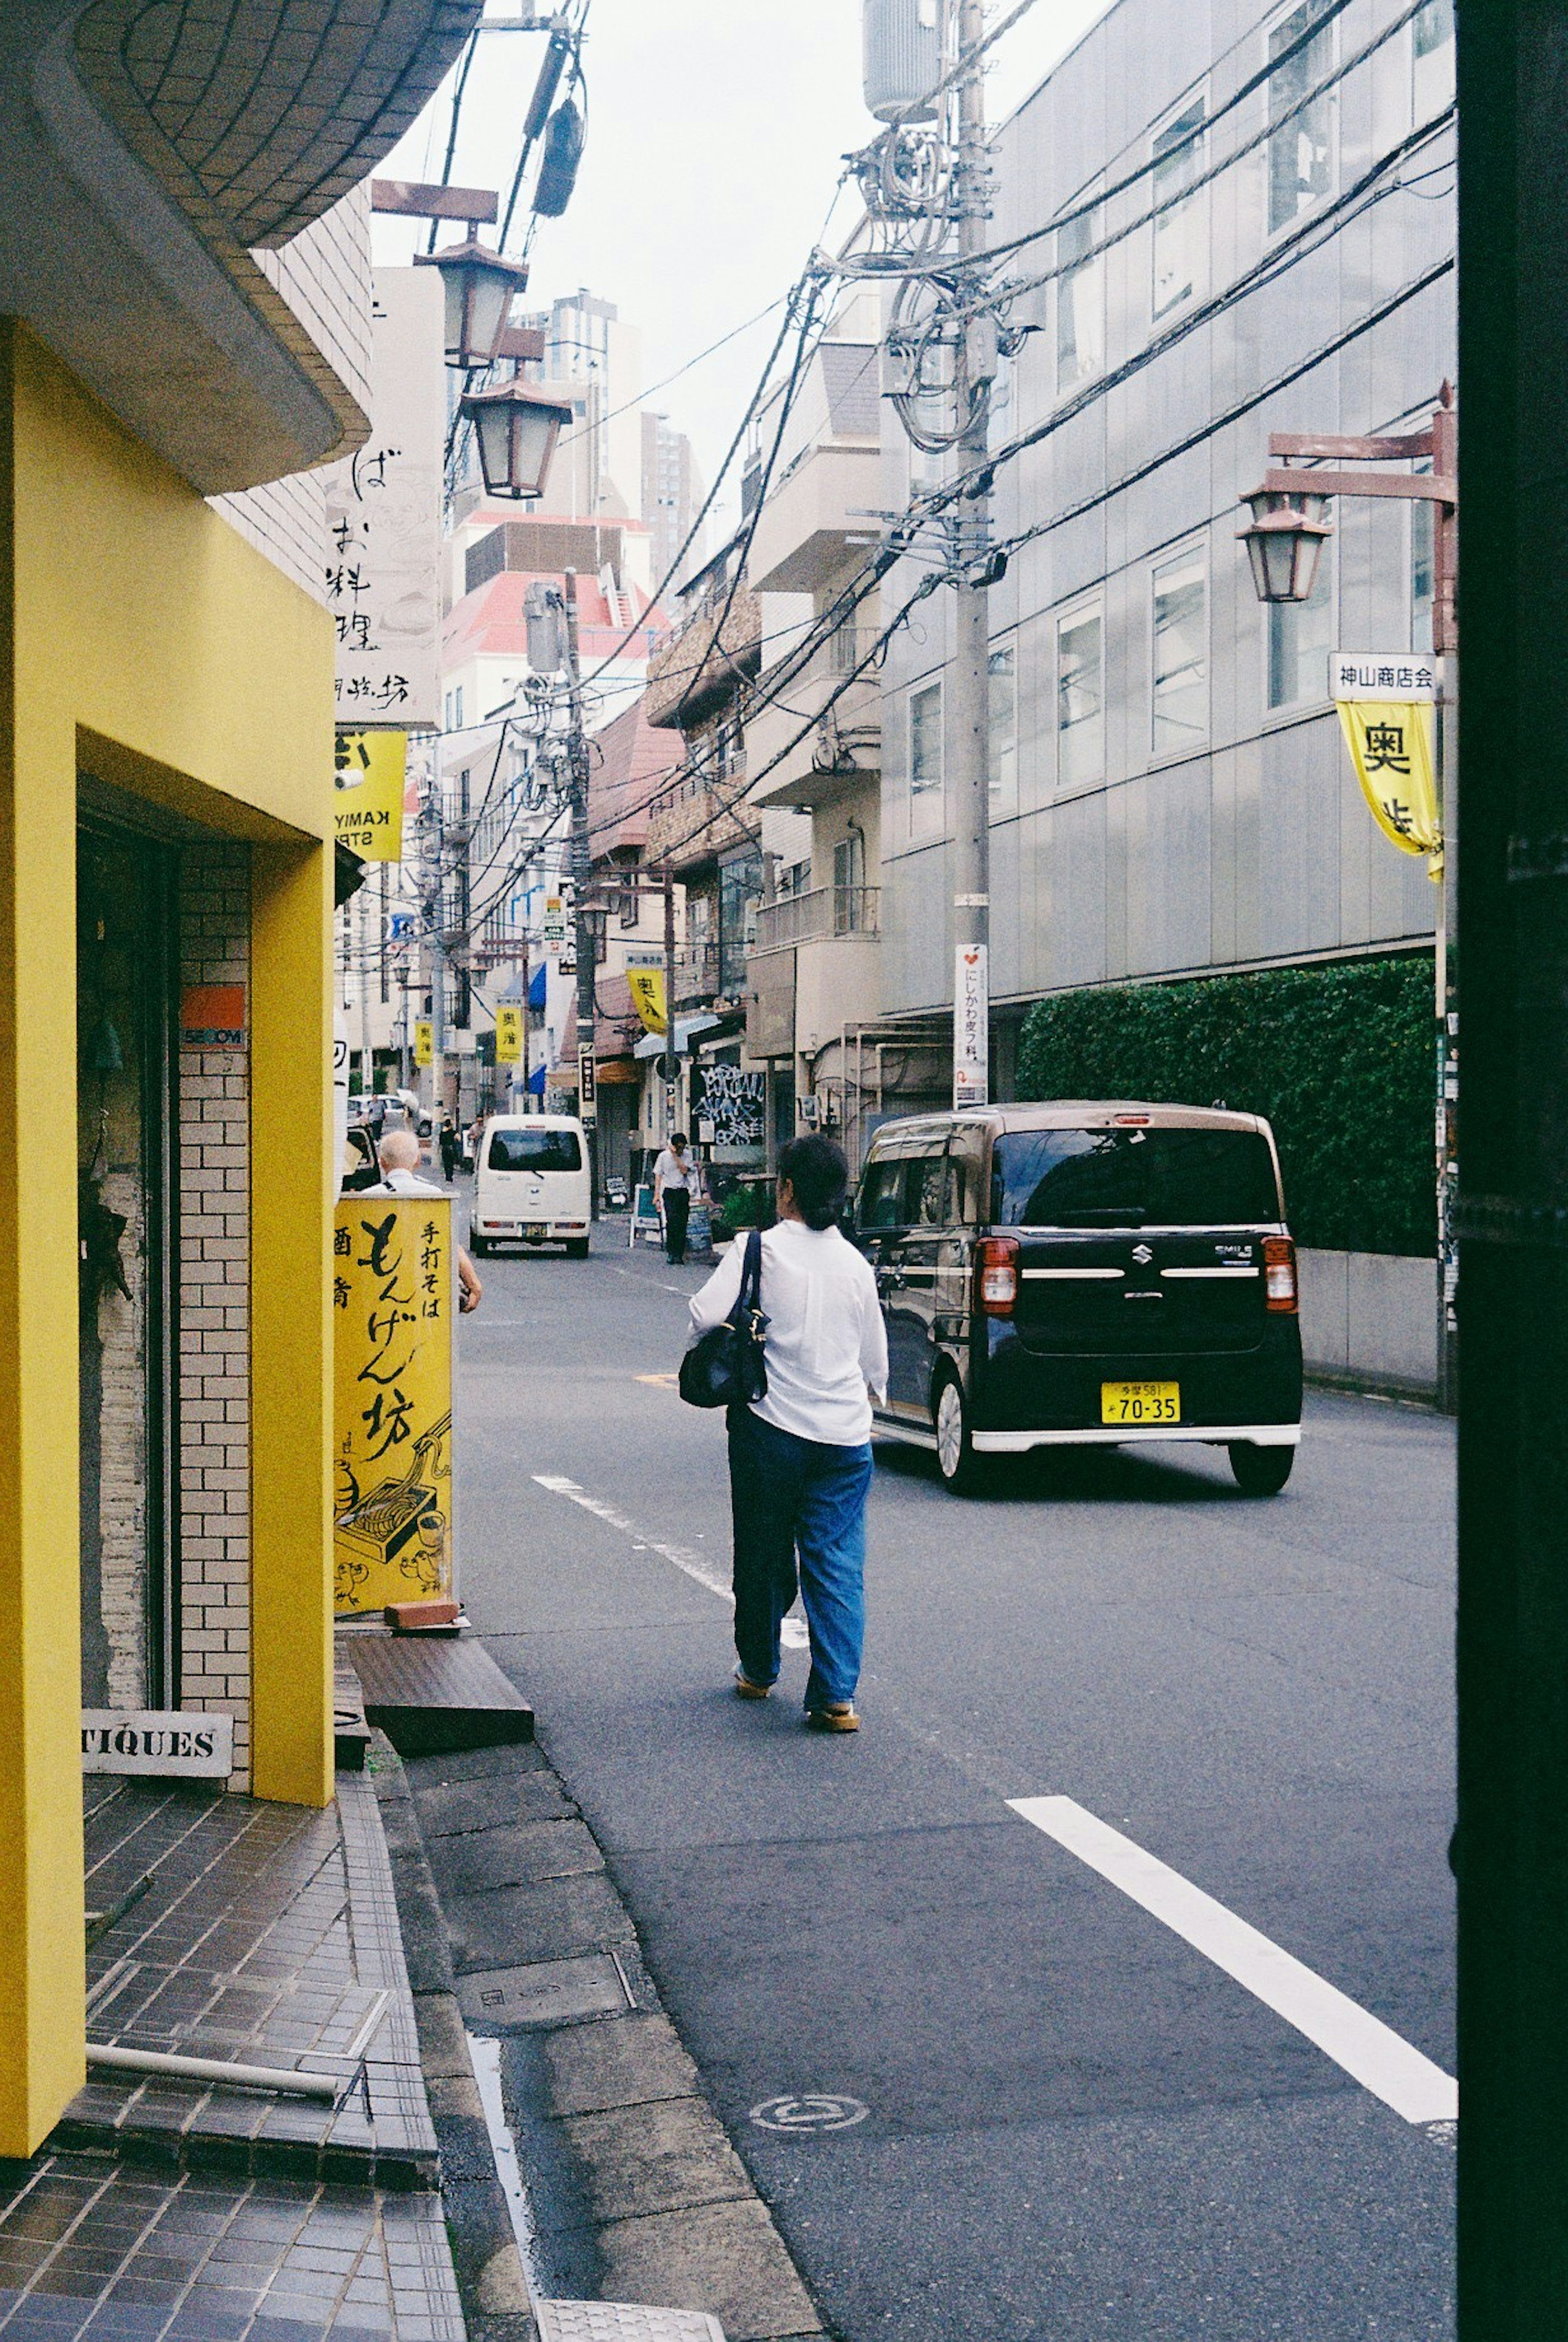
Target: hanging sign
x: 587, y: 1086
x: 424, y: 1041
x: 1385, y: 713
x: 392, y: 1291
x: 647, y: 989
x: 553, y: 925
x: 508, y: 1031
x: 971, y: 1025
x: 368, y: 770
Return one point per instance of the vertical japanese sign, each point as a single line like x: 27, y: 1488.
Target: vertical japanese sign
x: 424, y: 1041
x: 391, y: 1428
x: 646, y: 985
x: 383, y: 516
x: 587, y: 1086
x: 1385, y: 713
x: 971, y: 1025
x: 369, y: 776
x: 508, y: 1031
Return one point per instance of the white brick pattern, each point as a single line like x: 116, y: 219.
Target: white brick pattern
x: 215, y: 1309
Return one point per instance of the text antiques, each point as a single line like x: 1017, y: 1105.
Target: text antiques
x: 178, y: 1744
x: 393, y: 1289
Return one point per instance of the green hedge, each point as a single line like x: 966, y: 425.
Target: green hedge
x: 1339, y: 1058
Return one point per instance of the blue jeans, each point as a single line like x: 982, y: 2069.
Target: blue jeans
x: 805, y: 1495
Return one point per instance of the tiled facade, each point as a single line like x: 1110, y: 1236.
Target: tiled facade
x: 215, y: 1308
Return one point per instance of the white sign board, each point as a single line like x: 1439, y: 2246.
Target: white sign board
x: 383, y: 518
x: 971, y: 1025
x: 553, y: 925
x: 1381, y: 674
x: 175, y: 1743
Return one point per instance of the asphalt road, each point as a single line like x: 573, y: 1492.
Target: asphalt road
x: 1078, y: 2126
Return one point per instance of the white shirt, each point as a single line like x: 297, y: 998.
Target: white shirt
x: 825, y: 1347
x: 404, y: 1182
x: 673, y: 1172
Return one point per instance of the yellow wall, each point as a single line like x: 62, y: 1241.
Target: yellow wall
x: 135, y: 622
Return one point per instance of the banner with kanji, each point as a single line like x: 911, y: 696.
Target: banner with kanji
x: 368, y: 772
x: 1391, y: 747
x: 393, y: 1296
x: 508, y: 1031
x: 647, y: 988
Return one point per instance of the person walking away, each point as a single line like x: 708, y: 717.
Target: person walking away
x: 800, y: 1457
x: 675, y: 1177
x: 399, y: 1157
x: 449, y: 1147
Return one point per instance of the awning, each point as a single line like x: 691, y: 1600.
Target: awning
x: 536, y: 988
x: 536, y: 1081
x: 652, y: 1045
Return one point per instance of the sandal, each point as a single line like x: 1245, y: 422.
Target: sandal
x: 838, y: 1716
x: 746, y: 1689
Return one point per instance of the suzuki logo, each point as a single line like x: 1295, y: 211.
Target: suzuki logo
x: 1141, y: 1255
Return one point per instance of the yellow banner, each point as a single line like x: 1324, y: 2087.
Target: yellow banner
x: 508, y: 1032
x: 424, y: 1041
x: 648, y: 996
x: 1390, y: 742
x: 392, y: 1292
x: 367, y: 794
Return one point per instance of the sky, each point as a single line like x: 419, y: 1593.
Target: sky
x: 715, y: 134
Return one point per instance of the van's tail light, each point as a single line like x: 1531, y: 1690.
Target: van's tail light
x: 1279, y: 1274
x: 996, y: 1275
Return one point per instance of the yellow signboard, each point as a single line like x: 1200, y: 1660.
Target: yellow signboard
x: 647, y: 985
x: 424, y: 1041
x: 508, y: 1032
x: 367, y: 794
x: 1390, y: 742
x: 392, y: 1290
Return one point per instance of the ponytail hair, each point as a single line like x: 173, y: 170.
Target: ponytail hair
x: 819, y: 1177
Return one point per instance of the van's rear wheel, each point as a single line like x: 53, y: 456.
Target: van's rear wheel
x: 962, y: 1471
x: 479, y: 1246
x: 577, y: 1247
x: 1260, y: 1471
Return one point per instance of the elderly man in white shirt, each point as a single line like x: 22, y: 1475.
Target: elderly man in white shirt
x: 398, y: 1156
x: 800, y: 1456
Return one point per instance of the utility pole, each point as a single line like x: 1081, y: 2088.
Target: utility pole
x: 670, y: 1069
x: 971, y: 543
x: 582, y: 916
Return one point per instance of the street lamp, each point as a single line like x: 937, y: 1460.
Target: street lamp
x: 479, y: 287
x: 516, y: 427
x: 1285, y: 537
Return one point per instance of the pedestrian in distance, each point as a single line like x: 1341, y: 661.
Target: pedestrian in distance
x: 800, y: 1456
x: 449, y: 1147
x: 675, y: 1178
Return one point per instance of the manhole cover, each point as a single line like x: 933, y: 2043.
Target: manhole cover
x: 623, y: 2321
x: 815, y: 2110
x: 545, y: 1992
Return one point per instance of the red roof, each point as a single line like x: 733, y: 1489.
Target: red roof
x: 491, y: 619
x: 630, y: 759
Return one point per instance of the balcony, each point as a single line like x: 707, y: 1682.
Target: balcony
x: 699, y: 670
x: 837, y: 743
x: 695, y: 822
x: 824, y: 911
x: 815, y: 520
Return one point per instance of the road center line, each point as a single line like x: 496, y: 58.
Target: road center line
x: 694, y: 1564
x: 1362, y: 2044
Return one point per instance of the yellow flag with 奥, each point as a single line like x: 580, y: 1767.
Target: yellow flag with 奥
x: 424, y: 1041
x: 508, y: 1031
x: 647, y: 985
x: 368, y: 775
x: 1391, y: 747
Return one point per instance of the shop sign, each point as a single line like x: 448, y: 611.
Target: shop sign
x: 508, y: 1031
x: 647, y: 989
x: 392, y: 1294
x: 1379, y: 674
x: 553, y: 927
x: 212, y: 1016
x: 424, y: 1041
x: 175, y: 1744
x: 588, y: 1090
x: 1386, y: 712
x: 369, y: 770
x: 971, y: 1025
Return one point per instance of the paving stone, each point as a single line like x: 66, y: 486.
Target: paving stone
x: 449, y: 1808
x: 505, y: 1764
x: 658, y: 2157
x: 515, y: 1856
x: 725, y: 2259
x: 546, y: 1922
x: 623, y: 2062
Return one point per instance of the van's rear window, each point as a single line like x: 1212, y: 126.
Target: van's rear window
x: 1131, y: 1179
x: 534, y: 1150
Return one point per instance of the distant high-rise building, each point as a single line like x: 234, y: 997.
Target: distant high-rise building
x: 673, y: 494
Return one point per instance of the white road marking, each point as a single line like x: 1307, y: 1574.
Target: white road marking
x: 1368, y: 2049
x: 485, y: 2057
x: 793, y: 1631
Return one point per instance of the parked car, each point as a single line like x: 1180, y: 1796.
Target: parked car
x: 531, y: 1185
x: 1084, y: 1274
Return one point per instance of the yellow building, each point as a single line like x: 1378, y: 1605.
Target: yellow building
x: 184, y: 327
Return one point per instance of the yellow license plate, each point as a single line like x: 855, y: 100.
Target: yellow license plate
x: 1140, y: 1403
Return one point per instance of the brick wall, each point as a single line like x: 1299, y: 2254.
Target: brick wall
x: 215, y: 1308
x: 324, y: 274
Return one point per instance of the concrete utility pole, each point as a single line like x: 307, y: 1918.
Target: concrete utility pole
x: 970, y: 540
x: 671, y: 1067
x: 582, y: 916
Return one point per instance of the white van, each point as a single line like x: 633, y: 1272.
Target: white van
x: 531, y: 1184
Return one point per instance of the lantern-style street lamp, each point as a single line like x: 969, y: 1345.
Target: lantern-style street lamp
x: 479, y: 287
x: 1284, y: 541
x: 516, y: 427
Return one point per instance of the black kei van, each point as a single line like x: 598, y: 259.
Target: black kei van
x: 1071, y: 1274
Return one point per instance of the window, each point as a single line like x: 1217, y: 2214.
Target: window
x: 925, y: 739
x: 1422, y: 558
x: 1004, y: 721
x: 928, y: 1191
x: 1301, y: 166
x: 843, y: 648
x: 881, y: 1203
x: 1080, y: 302
x: 457, y: 704
x: 1132, y: 1178
x: 1300, y: 636
x: 1181, y: 696
x: 1178, y: 159
x: 1431, y: 58
x: 1079, y: 700
x: 533, y: 1150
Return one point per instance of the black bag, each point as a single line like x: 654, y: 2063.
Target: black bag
x: 724, y: 1367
